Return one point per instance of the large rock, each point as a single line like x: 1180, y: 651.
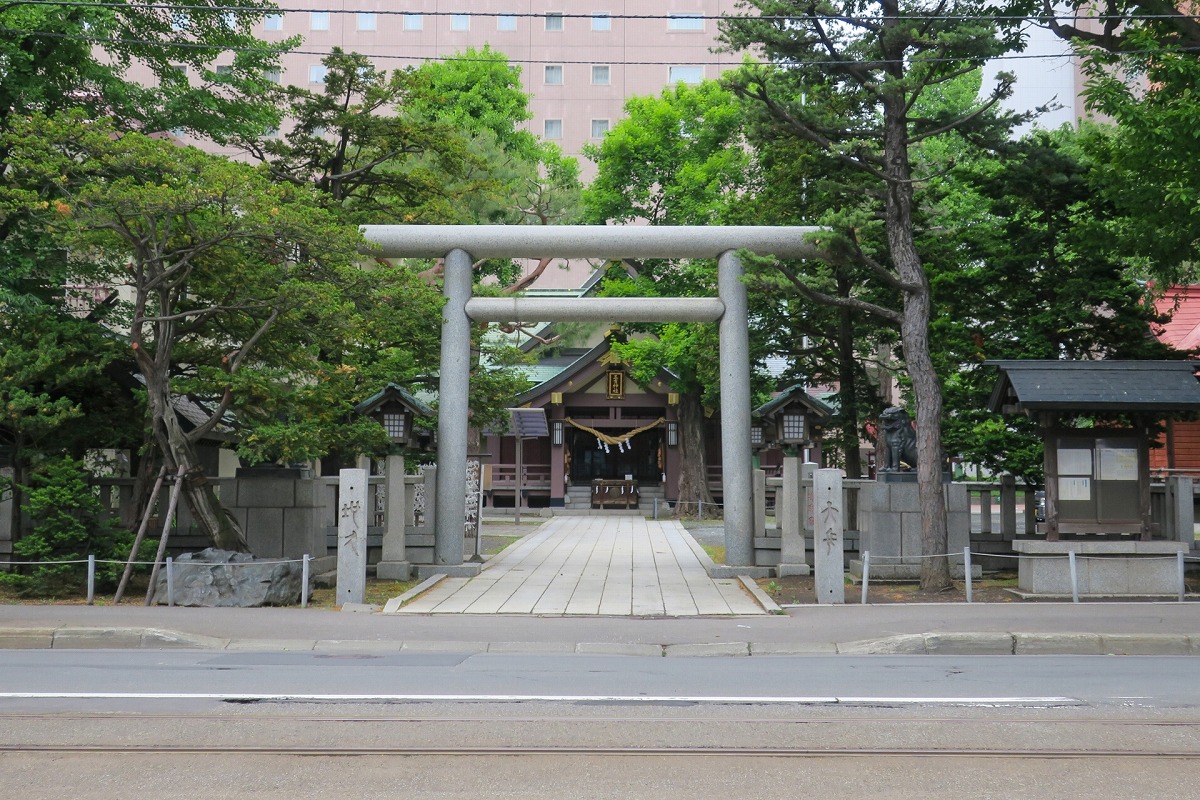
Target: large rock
x: 221, y: 578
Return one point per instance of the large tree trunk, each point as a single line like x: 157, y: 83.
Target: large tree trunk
x: 222, y: 529
x: 176, y: 447
x: 848, y: 384
x: 914, y: 326
x: 693, y: 461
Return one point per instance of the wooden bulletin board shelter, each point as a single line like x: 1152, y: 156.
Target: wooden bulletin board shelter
x: 1097, y: 478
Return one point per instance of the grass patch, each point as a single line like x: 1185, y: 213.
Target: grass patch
x: 716, y: 552
x: 377, y: 593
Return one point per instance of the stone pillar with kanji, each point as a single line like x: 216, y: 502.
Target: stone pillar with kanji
x: 828, y: 526
x: 352, y: 536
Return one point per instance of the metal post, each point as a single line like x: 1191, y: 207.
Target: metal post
x: 1074, y: 577
x: 1182, y: 585
x: 967, y: 571
x: 656, y: 508
x: 170, y: 581
x: 866, y: 562
x: 736, y: 454
x: 479, y: 522
x: 517, y: 481
x: 454, y: 385
x: 304, y: 572
x: 91, y: 580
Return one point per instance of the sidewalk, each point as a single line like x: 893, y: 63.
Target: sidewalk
x: 960, y: 629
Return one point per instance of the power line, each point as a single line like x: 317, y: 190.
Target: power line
x: 414, y: 58
x: 224, y: 9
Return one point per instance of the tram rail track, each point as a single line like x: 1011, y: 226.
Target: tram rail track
x: 590, y: 752
x: 118, y: 716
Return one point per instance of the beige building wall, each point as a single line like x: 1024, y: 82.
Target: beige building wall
x: 579, y: 60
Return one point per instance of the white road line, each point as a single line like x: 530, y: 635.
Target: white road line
x: 543, y: 698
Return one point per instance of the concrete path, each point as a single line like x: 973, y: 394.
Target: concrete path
x: 595, y: 565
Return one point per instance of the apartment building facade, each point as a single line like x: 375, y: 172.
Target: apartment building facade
x: 579, y: 61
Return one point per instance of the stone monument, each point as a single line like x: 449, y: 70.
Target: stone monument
x: 352, y: 536
x: 829, y: 522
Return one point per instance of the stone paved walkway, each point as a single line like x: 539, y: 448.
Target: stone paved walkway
x: 609, y: 566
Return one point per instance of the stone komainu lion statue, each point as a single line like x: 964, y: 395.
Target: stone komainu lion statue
x: 900, y: 438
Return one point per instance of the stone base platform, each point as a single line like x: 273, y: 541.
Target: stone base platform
x: 1103, y: 568
x: 468, y: 570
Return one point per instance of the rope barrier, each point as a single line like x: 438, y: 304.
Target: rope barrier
x: 966, y: 555
x: 171, y: 564
x: 151, y: 563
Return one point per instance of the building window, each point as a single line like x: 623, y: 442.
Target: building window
x: 599, y: 128
x: 460, y: 22
x: 366, y: 21
x: 225, y: 69
x: 601, y: 75
x: 413, y: 22
x: 273, y: 76
x: 316, y: 73
x: 273, y: 22
x: 553, y: 75
x: 179, y: 21
x: 230, y: 19
x: 506, y: 22
x: 552, y: 129
x: 601, y: 22
x: 685, y: 22
x: 554, y: 22
x: 685, y: 75
x: 318, y: 21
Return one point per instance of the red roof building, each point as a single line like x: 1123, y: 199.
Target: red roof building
x: 1180, y: 450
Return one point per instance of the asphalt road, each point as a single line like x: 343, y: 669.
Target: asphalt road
x: 223, y: 724
x: 1095, y: 681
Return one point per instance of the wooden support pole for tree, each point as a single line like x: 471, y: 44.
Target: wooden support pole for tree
x: 141, y: 534
x: 162, y: 543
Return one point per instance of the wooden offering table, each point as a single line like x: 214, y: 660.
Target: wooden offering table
x: 614, y: 494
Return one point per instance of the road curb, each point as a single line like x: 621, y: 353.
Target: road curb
x: 932, y: 643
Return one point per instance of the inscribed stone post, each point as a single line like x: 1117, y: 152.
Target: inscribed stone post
x: 828, y: 519
x: 352, y: 536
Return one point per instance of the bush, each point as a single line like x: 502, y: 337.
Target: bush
x: 69, y: 524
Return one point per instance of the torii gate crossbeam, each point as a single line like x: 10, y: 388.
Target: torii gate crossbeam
x: 460, y: 245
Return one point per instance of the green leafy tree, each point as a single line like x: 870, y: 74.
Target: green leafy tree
x: 1141, y: 66
x: 679, y: 158
x: 849, y: 78
x: 236, y: 285
x: 353, y: 143
x: 87, y: 55
x: 1029, y: 264
x: 435, y: 144
x: 511, y: 177
x: 142, y: 67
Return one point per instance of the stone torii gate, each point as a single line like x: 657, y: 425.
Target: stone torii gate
x: 461, y: 245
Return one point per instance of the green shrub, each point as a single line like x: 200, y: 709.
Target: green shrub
x: 69, y: 524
